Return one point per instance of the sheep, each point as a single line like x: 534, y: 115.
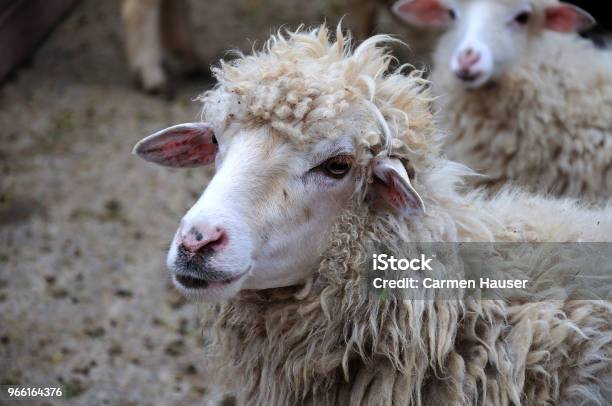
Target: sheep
x: 363, y: 19
x: 523, y: 99
x: 323, y: 156
x: 364, y: 15
x: 158, y: 32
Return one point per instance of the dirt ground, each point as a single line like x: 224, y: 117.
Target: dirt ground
x: 85, y: 300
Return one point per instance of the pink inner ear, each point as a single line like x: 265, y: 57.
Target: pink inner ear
x: 188, y: 149
x: 426, y: 12
x: 394, y: 187
x: 565, y: 18
x: 397, y: 196
x: 183, y: 146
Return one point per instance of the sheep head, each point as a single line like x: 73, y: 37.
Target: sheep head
x: 485, y: 38
x: 299, y: 134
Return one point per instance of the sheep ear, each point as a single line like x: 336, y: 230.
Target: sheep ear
x: 423, y: 13
x: 182, y: 146
x: 393, y: 184
x: 567, y: 18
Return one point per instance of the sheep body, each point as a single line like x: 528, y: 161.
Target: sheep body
x: 325, y: 343
x: 546, y: 124
x: 336, y: 347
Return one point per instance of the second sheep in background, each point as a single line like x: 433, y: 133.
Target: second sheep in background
x: 524, y: 99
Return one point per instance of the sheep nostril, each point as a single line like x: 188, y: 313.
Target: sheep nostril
x: 219, y: 242
x: 203, y: 240
x: 467, y: 59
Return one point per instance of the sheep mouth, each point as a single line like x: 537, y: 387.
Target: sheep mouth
x: 467, y: 76
x: 192, y: 282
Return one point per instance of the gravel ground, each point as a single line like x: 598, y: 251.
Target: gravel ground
x: 85, y: 301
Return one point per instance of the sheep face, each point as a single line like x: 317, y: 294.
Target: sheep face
x: 274, y: 203
x: 264, y: 219
x: 486, y: 38
x: 299, y: 133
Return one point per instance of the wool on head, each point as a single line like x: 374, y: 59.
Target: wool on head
x: 302, y: 78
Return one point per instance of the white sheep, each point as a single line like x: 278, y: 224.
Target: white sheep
x: 523, y: 98
x: 158, y: 32
x: 321, y: 159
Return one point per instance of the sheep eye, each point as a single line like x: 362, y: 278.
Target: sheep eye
x: 336, y: 167
x: 523, y: 18
x: 214, y: 140
x: 452, y: 14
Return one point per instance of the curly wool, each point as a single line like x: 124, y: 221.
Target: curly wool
x: 301, y: 79
x: 547, y: 124
x: 327, y: 342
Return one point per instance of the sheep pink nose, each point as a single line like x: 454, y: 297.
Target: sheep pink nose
x: 198, y: 238
x: 468, y: 58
